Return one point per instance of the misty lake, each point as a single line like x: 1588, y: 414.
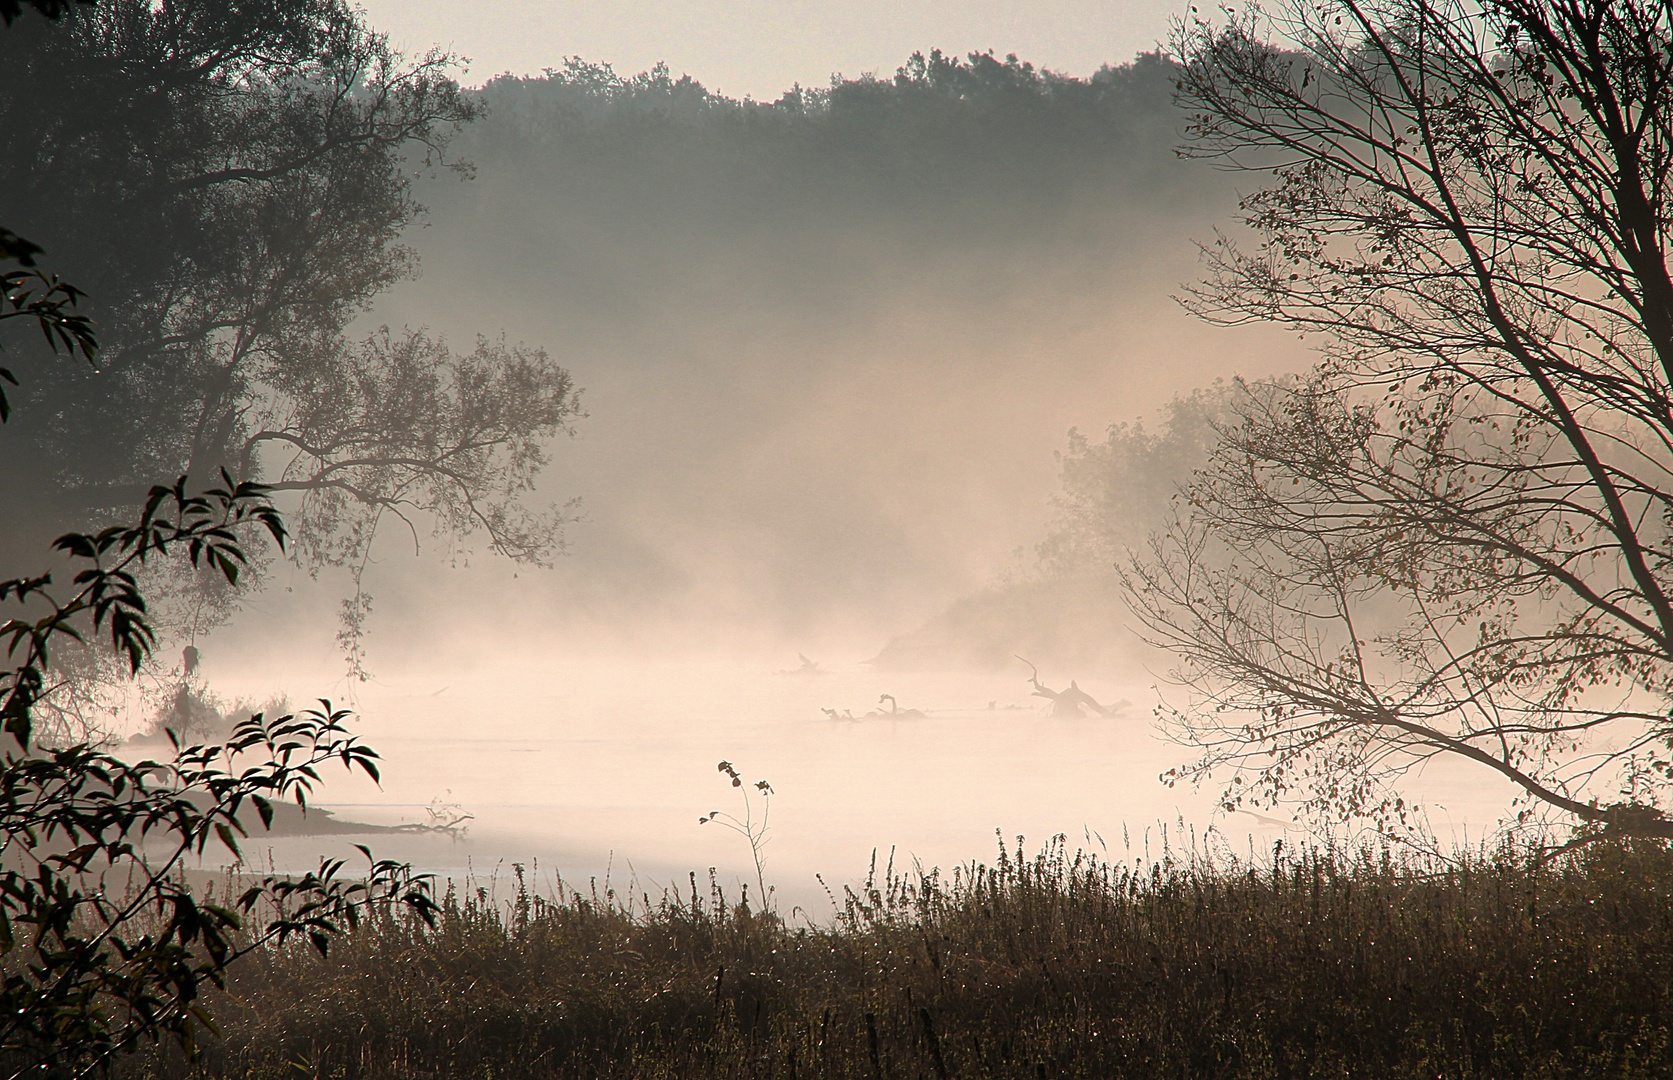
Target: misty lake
x: 599, y: 769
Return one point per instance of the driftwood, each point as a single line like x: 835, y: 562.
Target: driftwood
x: 1281, y: 823
x: 809, y: 667
x: 1064, y: 702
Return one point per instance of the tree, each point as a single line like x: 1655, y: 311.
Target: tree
x: 12, y: 10
x: 1453, y: 538
x: 228, y: 183
x: 102, y: 944
x: 1115, y: 493
x: 28, y: 293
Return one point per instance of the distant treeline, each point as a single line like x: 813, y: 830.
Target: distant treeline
x: 943, y: 126
x: 833, y: 332
x: 645, y: 200
x: 615, y: 182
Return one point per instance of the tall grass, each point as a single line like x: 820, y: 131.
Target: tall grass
x: 1313, y: 964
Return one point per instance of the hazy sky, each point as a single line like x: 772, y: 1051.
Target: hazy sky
x: 760, y: 47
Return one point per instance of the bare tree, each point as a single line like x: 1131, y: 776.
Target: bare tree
x: 1453, y: 539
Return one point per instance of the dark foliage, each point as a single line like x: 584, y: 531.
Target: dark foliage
x: 940, y: 147
x: 31, y: 294
x: 228, y: 185
x: 10, y: 12
x: 102, y: 945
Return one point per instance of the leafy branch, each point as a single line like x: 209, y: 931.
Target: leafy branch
x: 89, y: 974
x: 46, y: 298
x: 107, y: 591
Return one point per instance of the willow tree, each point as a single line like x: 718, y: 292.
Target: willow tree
x: 228, y: 186
x: 1453, y: 538
x: 95, y: 969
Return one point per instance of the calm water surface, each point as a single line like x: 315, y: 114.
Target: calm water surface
x: 599, y: 770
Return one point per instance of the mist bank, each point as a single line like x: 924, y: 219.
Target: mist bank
x: 1064, y: 603
x: 828, y: 344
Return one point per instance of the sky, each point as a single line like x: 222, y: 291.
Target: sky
x: 759, y: 48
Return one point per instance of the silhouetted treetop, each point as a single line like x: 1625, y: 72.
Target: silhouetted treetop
x: 12, y: 10
x: 942, y: 127
x: 229, y: 184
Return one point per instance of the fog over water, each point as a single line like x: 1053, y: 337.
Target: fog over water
x: 828, y: 364
x: 592, y: 767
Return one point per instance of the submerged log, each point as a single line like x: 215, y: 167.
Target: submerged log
x: 1068, y: 702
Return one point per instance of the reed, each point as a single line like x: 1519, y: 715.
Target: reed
x: 1314, y: 963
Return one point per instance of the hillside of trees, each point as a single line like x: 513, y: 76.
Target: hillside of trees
x: 829, y: 342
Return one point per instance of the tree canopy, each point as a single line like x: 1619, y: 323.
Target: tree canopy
x: 93, y: 967
x: 945, y: 133
x: 229, y: 185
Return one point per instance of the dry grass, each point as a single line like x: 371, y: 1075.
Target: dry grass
x: 1057, y: 965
